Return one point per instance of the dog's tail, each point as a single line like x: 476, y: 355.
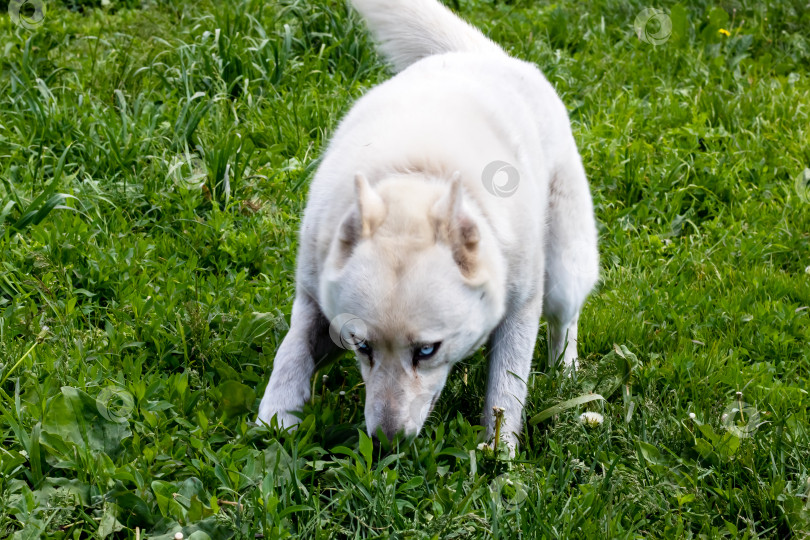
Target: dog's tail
x: 409, y: 30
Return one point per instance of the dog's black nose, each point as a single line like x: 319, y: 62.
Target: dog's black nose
x: 382, y: 439
x: 382, y: 446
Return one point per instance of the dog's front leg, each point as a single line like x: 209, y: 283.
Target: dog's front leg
x: 512, y: 348
x: 306, y: 346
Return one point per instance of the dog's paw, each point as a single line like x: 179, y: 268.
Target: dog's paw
x: 285, y: 418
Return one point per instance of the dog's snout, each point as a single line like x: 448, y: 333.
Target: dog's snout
x: 385, y: 424
x: 384, y: 419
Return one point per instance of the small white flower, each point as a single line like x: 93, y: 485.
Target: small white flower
x: 692, y: 415
x: 483, y: 446
x: 591, y: 419
x: 178, y: 536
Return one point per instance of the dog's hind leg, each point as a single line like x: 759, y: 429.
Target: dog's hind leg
x: 306, y: 347
x: 572, y: 257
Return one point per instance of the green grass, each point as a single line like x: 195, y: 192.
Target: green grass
x: 154, y: 163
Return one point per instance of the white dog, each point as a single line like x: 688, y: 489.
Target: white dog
x: 451, y: 209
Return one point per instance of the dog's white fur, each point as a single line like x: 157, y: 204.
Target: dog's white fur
x: 403, y: 232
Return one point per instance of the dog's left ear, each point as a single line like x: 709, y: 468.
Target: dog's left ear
x: 458, y: 230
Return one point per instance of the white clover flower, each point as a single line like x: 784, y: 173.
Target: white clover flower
x: 591, y: 419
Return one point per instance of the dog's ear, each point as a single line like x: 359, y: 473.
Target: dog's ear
x: 361, y: 221
x: 370, y: 206
x: 458, y: 230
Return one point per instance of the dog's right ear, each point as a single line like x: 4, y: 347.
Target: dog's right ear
x: 370, y: 206
x: 362, y: 220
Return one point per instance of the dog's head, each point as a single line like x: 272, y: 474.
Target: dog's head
x: 413, y: 283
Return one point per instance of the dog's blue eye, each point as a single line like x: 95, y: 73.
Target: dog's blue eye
x: 425, y: 351
x: 363, y: 347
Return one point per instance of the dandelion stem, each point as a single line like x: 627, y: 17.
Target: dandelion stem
x: 6, y: 376
x: 498, y: 412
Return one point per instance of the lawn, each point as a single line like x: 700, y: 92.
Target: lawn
x: 154, y: 164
